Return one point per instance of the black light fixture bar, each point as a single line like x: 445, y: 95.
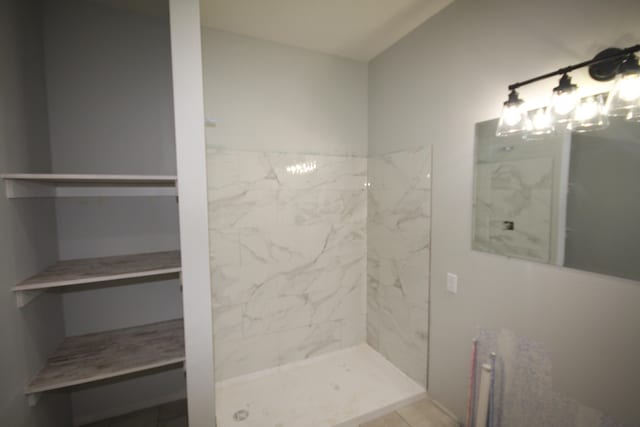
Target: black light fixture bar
x: 611, y: 56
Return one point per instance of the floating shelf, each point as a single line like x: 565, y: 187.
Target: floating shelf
x: 25, y: 185
x: 97, y: 270
x: 94, y: 357
x: 94, y: 270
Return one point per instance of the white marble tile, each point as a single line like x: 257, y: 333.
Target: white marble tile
x: 238, y: 208
x: 401, y: 170
x: 302, y: 207
x: 408, y: 278
x: 230, y: 168
x: 288, y: 254
x: 354, y: 331
x: 224, y: 247
x: 235, y: 358
x: 343, y: 304
x: 310, y: 341
x: 227, y: 322
x: 264, y: 316
x: 331, y: 172
x: 324, y: 391
x: 228, y: 287
x: 325, y: 277
x: 402, y: 339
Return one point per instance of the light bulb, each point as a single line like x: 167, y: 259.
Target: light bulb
x: 564, y: 103
x: 512, y: 115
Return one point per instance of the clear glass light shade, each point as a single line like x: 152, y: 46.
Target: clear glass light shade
x: 540, y: 122
x: 562, y: 106
x: 624, y: 95
x: 590, y: 114
x: 513, y: 120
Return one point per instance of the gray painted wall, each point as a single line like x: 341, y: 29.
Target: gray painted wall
x: 27, y: 227
x: 110, y: 110
x: 431, y: 88
x: 266, y: 96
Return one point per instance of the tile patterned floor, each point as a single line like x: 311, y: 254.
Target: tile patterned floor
x: 172, y: 414
x: 419, y: 414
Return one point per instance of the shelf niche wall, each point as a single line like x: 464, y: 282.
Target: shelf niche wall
x: 28, y: 229
x: 110, y: 112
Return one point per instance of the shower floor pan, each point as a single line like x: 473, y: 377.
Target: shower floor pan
x: 344, y: 389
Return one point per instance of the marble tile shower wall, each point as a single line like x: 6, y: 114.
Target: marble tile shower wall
x: 288, y: 256
x: 398, y: 250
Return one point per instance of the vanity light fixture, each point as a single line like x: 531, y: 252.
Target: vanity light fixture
x: 566, y: 109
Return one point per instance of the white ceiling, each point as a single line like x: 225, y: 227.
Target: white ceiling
x: 357, y: 29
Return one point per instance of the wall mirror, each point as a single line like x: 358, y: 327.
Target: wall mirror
x: 569, y: 199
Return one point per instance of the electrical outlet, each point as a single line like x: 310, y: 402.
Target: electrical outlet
x: 452, y: 283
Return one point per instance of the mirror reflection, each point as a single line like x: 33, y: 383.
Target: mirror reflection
x: 570, y: 199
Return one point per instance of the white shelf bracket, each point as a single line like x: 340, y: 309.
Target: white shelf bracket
x: 33, y: 399
x: 25, y: 297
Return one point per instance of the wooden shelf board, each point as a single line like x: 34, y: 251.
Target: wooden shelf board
x: 97, y: 179
x: 94, y: 357
x: 105, y: 269
x: 34, y: 185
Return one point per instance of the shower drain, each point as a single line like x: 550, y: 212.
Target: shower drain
x: 241, y: 415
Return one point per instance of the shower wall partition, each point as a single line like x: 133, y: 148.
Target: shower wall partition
x: 398, y: 252
x: 288, y: 256
x: 293, y: 274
